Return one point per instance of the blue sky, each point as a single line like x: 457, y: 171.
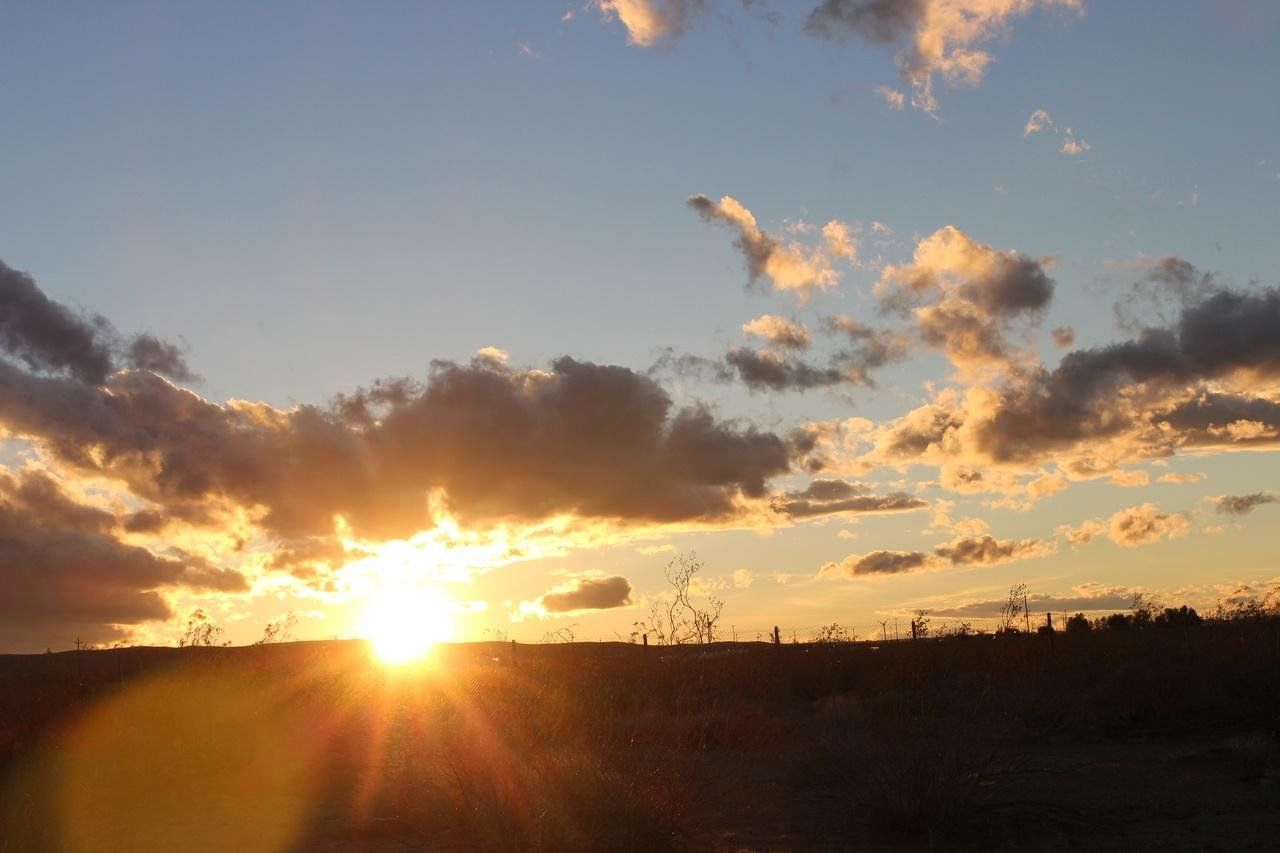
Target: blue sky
x: 311, y: 196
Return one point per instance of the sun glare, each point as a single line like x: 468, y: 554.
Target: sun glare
x: 402, y: 625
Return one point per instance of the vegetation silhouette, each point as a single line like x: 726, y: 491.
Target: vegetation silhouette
x: 1123, y: 729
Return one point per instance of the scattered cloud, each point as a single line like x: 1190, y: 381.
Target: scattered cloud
x: 1243, y: 504
x: 1179, y: 478
x: 791, y: 267
x: 1071, y: 146
x: 982, y: 550
x: 649, y: 22
x: 933, y: 38
x: 1136, y: 525
x: 965, y: 296
x: 895, y: 98
x: 779, y: 331
x: 830, y: 497
x: 1039, y: 120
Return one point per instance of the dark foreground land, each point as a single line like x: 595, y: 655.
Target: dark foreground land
x: 1108, y: 740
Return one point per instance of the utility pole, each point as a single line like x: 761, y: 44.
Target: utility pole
x: 79, y: 671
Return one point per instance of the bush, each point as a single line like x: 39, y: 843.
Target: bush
x: 1079, y: 624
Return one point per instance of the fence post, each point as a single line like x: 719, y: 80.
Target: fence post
x: 777, y: 636
x: 646, y: 644
x: 913, y: 629
x: 513, y: 652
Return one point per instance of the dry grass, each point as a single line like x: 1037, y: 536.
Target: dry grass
x: 596, y: 746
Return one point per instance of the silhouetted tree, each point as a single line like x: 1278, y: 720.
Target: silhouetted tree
x: 1079, y: 624
x: 201, y: 632
x: 1181, y: 617
x: 680, y: 619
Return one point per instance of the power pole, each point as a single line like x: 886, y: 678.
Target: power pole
x: 79, y: 672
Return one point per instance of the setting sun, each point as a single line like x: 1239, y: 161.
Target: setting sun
x: 402, y: 624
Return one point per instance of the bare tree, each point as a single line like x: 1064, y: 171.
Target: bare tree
x: 278, y: 631
x: 680, y: 619
x: 201, y: 632
x: 1012, y: 608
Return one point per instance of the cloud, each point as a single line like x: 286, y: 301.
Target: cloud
x: 868, y: 348
x: 1136, y: 525
x: 743, y: 579
x: 829, y: 497
x: 1243, y: 504
x: 484, y: 442
x: 983, y: 550
x: 895, y: 98
x: 790, y: 267
x: 588, y: 594
x: 1130, y: 479
x: 652, y: 550
x: 1179, y: 478
x: 758, y: 369
x: 65, y: 570
x: 986, y: 550
x: 1063, y: 336
x: 877, y: 563
x: 496, y: 443
x: 840, y: 240
x: 651, y: 21
x: 779, y: 331
x: 1039, y: 120
x: 1071, y: 146
x: 1084, y: 598
x: 933, y: 37
x: 48, y: 337
x: 965, y: 295
x: 778, y: 367
x: 1208, y: 381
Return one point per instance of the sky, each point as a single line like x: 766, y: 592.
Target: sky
x: 495, y: 309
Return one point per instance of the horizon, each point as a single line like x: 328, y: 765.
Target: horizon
x: 438, y: 324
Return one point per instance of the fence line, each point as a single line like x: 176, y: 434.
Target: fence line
x: 889, y: 630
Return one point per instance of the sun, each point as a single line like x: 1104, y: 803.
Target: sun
x: 402, y: 624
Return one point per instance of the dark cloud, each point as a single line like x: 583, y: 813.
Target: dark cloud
x: 877, y: 563
x: 582, y: 439
x: 964, y: 551
x: 879, y: 21
x: 1244, y: 504
x: 62, y: 568
x: 871, y: 348
x: 1229, y: 332
x: 756, y: 245
x: 988, y: 551
x: 47, y: 336
x: 148, y: 352
x: 589, y: 594
x: 827, y: 497
x: 758, y: 370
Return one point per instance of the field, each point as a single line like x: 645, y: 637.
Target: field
x: 1105, y: 739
